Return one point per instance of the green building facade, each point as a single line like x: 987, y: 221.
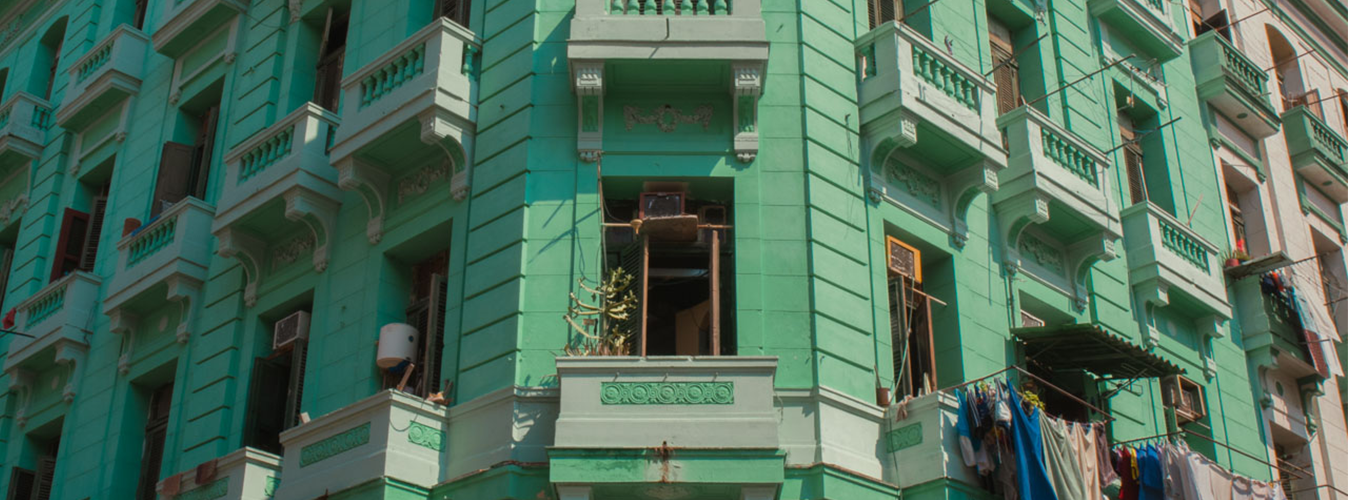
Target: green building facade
x: 211, y: 209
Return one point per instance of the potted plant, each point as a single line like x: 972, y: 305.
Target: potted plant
x: 1237, y: 255
x: 602, y: 327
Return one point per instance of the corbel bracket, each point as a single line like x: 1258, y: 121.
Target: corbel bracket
x: 588, y: 83
x: 746, y: 89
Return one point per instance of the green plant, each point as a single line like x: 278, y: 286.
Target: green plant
x: 603, y: 326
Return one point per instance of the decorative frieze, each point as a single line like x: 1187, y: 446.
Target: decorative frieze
x: 667, y: 118
x: 922, y: 186
x: 667, y: 393
x: 330, y: 447
x: 290, y: 251
x: 420, y: 181
x: 904, y: 437
x: 13, y: 209
x: 426, y: 436
x: 209, y: 491
x: 1043, y: 254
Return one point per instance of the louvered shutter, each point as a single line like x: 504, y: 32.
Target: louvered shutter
x: 433, y: 338
x: 1007, y: 78
x: 21, y: 483
x: 883, y: 11
x: 89, y: 254
x: 156, y: 431
x: 1137, y: 190
x: 201, y: 158
x: 267, y: 404
x: 1311, y: 100
x: 897, y: 320
x: 175, y: 174
x: 295, y: 393
x: 70, y: 244
x: 46, y: 475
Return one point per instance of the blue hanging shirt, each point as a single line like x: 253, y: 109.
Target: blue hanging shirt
x: 1150, y: 476
x: 1031, y: 475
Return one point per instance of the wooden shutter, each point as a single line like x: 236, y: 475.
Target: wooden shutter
x: 433, y: 338
x: 21, y: 483
x: 156, y: 432
x: 332, y: 56
x: 6, y: 260
x: 175, y: 174
x: 1007, y: 74
x: 267, y: 404
x: 138, y: 19
x: 46, y: 475
x: 89, y: 254
x: 1137, y: 182
x: 70, y: 244
x: 883, y: 11
x: 295, y: 390
x: 199, y: 173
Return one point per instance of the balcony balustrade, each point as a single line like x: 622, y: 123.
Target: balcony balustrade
x: 104, y: 77
x: 1170, y: 264
x: 1233, y: 84
x: 277, y: 183
x: 408, y: 119
x: 24, y: 121
x: 1056, y: 183
x: 1318, y: 152
x: 921, y: 104
x: 58, y: 321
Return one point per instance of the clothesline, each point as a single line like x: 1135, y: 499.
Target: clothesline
x: 1299, y: 472
x: 1108, y: 417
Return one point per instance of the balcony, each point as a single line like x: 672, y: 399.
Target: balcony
x: 278, y: 183
x: 24, y: 120
x: 59, y: 318
x: 919, y: 103
x: 1170, y: 264
x: 104, y: 77
x: 1056, y: 183
x: 186, y: 23
x: 409, y: 118
x: 166, y: 257
x: 390, y: 436
x: 1271, y: 338
x: 1317, y: 152
x: 245, y: 474
x: 635, y: 44
x: 626, y: 423
x: 1145, y: 23
x: 924, y: 446
x: 1233, y: 85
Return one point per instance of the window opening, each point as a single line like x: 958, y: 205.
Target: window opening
x: 1204, y: 22
x: 883, y: 11
x: 1007, y: 72
x: 77, y: 244
x: 1237, y: 217
x: 332, y: 55
x: 138, y: 18
x: 1132, y: 159
x: 184, y: 169
x: 426, y: 311
x: 156, y: 431
x: 910, y: 326
x: 6, y: 261
x: 278, y: 383
x: 455, y: 10
x: 1186, y: 398
x: 677, y: 249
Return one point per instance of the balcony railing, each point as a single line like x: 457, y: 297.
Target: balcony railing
x: 1146, y: 24
x: 109, y: 73
x: 173, y: 250
x: 60, y: 319
x: 427, y: 79
x: 1233, y: 84
x: 390, y: 433
x: 188, y: 22
x: 731, y: 30
x: 671, y: 7
x: 24, y: 121
x: 1267, y: 323
x: 1165, y: 256
x: 1317, y: 152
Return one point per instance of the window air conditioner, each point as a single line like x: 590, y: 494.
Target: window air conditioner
x: 289, y: 328
x: 903, y: 259
x: 656, y: 205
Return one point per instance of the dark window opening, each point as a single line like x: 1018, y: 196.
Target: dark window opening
x: 427, y: 307
x: 138, y: 18
x: 454, y: 10
x: 77, y: 244
x: 1237, y: 216
x: 156, y: 431
x: 36, y: 483
x: 332, y: 55
x: 277, y: 386
x: 1132, y: 159
x: 910, y: 321
x: 6, y: 262
x: 681, y: 265
x: 883, y: 11
x: 1204, y: 22
x: 184, y: 169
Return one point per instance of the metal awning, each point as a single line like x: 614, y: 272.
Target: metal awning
x: 1092, y: 348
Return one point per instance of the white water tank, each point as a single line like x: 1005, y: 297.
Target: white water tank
x: 397, y: 343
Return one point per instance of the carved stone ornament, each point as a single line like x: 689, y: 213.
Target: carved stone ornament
x: 667, y: 118
x: 294, y: 6
x: 14, y: 208
x: 289, y: 252
x: 420, y: 181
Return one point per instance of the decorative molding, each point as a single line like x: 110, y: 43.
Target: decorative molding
x: 21, y: 383
x: 14, y: 208
x: 270, y: 486
x: 249, y: 251
x: 667, y: 393
x: 419, y: 181
x: 1043, y: 254
x: 426, y: 436
x: 667, y: 118
x: 209, y: 491
x: 904, y: 437
x: 290, y: 251
x: 316, y: 212
x: 371, y: 183
x: 746, y: 88
x: 588, y: 84
x: 294, y: 6
x: 334, y: 445
x: 922, y: 186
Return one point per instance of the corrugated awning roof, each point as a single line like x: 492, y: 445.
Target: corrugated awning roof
x: 1092, y: 348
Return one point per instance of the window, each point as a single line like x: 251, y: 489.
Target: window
x: 681, y: 271
x: 1006, y: 72
x: 1237, y: 216
x: 277, y: 389
x: 332, y: 54
x: 48, y: 59
x: 883, y: 11
x: 138, y: 17
x: 426, y: 310
x: 6, y: 261
x: 1132, y: 159
x: 1207, y: 15
x: 184, y: 170
x: 455, y: 10
x: 35, y: 484
x: 77, y: 245
x: 156, y: 430
x: 910, y: 327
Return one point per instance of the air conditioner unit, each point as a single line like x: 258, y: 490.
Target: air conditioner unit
x: 290, y: 328
x: 712, y: 214
x: 903, y: 259
x: 656, y: 204
x: 1028, y: 320
x: 1186, y: 397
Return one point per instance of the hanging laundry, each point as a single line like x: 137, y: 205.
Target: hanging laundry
x: 1125, y: 466
x: 1031, y: 475
x: 1060, y: 460
x: 962, y: 428
x: 1083, y: 437
x: 1107, y: 473
x: 1178, y: 480
x: 1221, y: 480
x: 1150, y: 476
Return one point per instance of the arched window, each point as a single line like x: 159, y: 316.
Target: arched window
x: 48, y: 58
x: 1287, y: 70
